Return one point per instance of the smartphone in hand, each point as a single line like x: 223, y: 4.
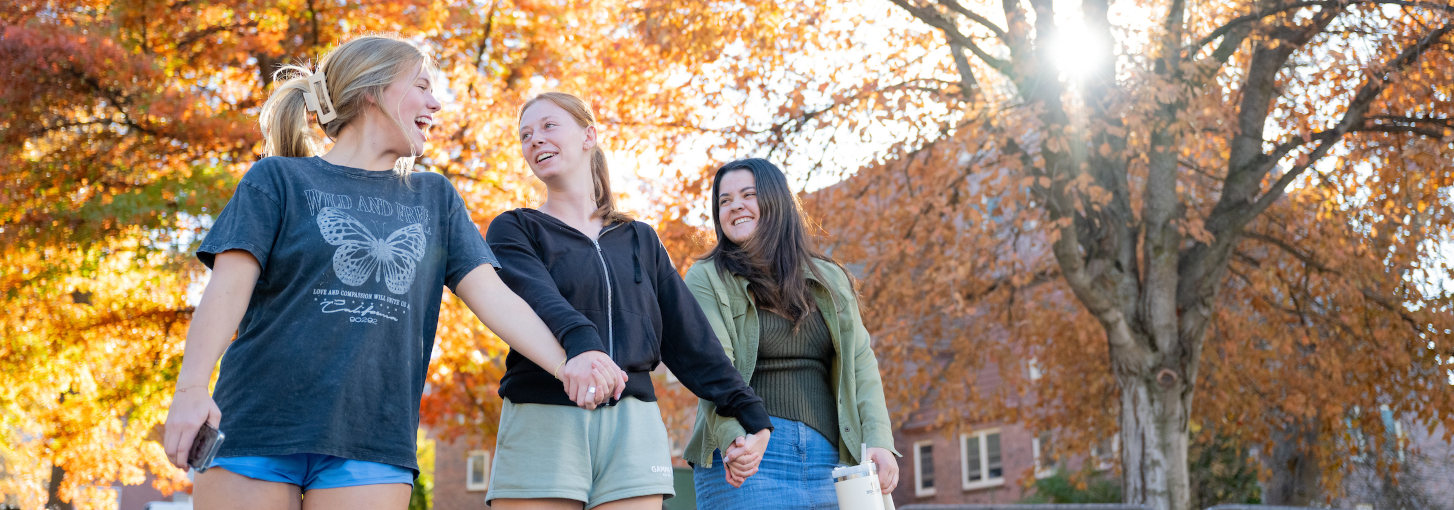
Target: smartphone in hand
x: 204, y: 447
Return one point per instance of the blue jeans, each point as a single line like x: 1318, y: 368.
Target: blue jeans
x: 796, y: 473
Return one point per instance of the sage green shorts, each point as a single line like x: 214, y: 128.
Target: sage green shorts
x: 608, y: 454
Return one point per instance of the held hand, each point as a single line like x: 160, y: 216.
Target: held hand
x: 602, y: 381
x: 736, y: 475
x: 614, y: 377
x: 592, y: 370
x: 888, y: 468
x: 742, y: 459
x: 191, y: 406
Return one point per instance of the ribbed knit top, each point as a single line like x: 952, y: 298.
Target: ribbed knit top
x: 794, y: 369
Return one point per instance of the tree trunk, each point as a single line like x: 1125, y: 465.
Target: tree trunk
x: 1296, y: 476
x: 53, y: 489
x: 1155, y: 407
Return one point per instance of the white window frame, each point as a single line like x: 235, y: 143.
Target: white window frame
x: 919, y: 489
x: 1106, y: 460
x: 981, y: 443
x: 1033, y: 370
x: 481, y: 457
x: 1043, y: 469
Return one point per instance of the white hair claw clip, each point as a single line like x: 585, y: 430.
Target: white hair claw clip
x: 318, y: 100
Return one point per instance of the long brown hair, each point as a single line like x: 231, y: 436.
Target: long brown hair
x: 600, y: 175
x: 774, y: 258
x: 358, y: 69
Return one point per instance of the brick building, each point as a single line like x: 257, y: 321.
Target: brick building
x: 461, y: 475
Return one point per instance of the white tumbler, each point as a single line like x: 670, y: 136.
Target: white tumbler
x: 857, y: 487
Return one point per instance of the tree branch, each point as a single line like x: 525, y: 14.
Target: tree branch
x: 197, y: 36
x: 1305, y: 258
x: 935, y: 19
x: 1439, y: 121
x: 1354, y: 115
x: 955, y: 6
x: 485, y: 37
x: 1246, y: 19
x: 1385, y: 302
x: 1432, y: 127
x: 1429, y: 132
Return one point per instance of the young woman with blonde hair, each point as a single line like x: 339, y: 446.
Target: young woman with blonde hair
x: 600, y: 281
x: 330, y: 269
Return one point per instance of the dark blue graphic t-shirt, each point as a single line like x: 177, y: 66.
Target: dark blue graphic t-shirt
x: 331, y: 355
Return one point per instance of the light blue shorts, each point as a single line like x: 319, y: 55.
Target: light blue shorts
x: 595, y: 457
x: 315, y: 471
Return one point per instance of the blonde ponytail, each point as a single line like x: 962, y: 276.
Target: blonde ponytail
x: 601, y: 186
x: 355, y: 71
x: 285, y: 118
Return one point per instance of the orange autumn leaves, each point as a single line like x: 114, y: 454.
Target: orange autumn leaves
x: 127, y: 123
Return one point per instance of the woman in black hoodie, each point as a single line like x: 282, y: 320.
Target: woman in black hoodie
x: 601, y: 282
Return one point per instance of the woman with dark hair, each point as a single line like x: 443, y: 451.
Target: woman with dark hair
x: 602, y: 282
x: 788, y: 317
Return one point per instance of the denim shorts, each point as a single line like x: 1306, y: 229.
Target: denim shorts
x: 796, y: 473
x: 315, y: 471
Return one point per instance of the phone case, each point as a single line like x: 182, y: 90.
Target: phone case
x: 204, y: 447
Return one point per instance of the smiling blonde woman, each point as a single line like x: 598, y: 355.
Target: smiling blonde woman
x: 329, y: 269
x: 604, y: 284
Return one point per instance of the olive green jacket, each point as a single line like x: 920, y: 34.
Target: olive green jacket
x: 862, y: 414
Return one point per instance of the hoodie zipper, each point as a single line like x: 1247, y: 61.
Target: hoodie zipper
x: 610, y: 316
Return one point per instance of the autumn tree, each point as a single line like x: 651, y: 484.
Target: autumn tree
x: 124, y: 126
x: 1264, y: 181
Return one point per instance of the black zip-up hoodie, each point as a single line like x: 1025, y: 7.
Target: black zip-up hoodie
x: 620, y: 295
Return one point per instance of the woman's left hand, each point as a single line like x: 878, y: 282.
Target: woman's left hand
x: 888, y: 468
x: 744, y: 456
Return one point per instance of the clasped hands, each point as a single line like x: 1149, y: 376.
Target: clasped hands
x: 592, y: 378
x: 743, y: 457
x: 741, y: 460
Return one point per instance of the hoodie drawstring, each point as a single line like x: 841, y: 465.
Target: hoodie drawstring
x: 635, y: 254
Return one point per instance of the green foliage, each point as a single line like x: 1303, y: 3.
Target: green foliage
x: 1083, y: 487
x: 422, y: 497
x: 1221, y: 472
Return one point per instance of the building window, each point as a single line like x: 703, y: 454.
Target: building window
x: 1045, y: 462
x: 1032, y: 369
x: 924, y: 468
x: 983, y: 465
x: 477, y: 471
x: 1104, y: 452
x: 1394, y: 430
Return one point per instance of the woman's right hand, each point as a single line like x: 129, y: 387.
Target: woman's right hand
x: 592, y: 369
x: 191, y: 407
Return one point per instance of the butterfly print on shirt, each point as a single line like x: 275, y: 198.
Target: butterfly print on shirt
x: 361, y: 255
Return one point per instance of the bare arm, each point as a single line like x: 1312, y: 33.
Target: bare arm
x: 514, y: 321
x: 224, y: 301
